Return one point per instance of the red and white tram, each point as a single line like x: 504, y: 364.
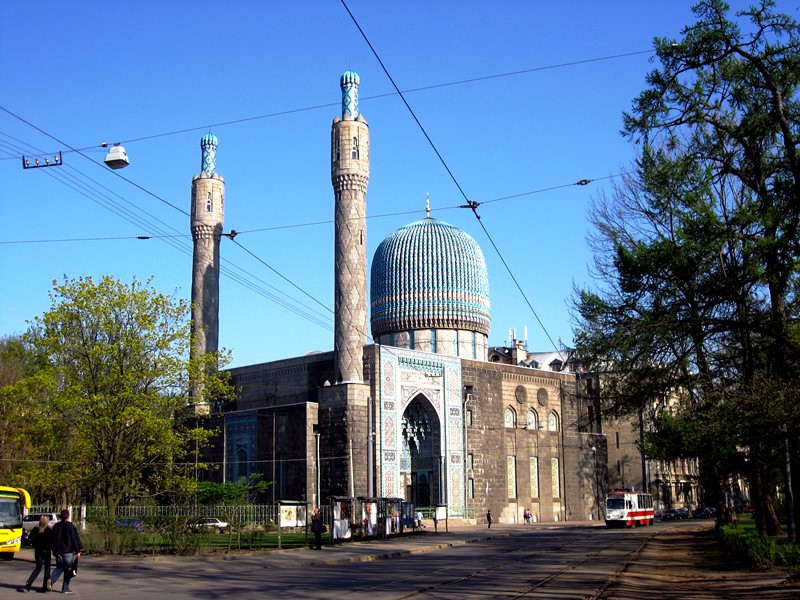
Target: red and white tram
x: 625, y: 508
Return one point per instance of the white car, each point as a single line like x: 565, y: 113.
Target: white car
x: 32, y: 520
x: 210, y: 523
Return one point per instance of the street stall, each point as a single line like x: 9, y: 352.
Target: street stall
x: 390, y: 516
x: 343, y: 509
x: 369, y: 516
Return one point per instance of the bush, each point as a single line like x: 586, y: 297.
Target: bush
x: 788, y: 555
x: 755, y: 551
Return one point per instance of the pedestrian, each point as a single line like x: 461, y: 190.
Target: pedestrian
x: 317, y: 527
x: 419, y: 519
x: 67, y: 548
x: 41, y: 537
x: 527, y: 516
x: 489, y: 518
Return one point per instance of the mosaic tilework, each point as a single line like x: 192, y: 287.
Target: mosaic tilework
x: 429, y: 274
x: 208, y: 145
x: 534, y: 476
x: 511, y: 475
x: 349, y: 83
x: 555, y: 476
x: 436, y: 377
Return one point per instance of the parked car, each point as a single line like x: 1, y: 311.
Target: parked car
x: 209, y: 523
x: 130, y: 523
x: 31, y: 520
x: 704, y: 512
x: 672, y: 514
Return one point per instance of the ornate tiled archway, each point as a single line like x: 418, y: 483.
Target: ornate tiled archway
x: 421, y: 390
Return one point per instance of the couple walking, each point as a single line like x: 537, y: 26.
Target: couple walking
x: 62, y: 540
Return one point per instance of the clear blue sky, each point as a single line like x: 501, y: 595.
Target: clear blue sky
x: 264, y: 76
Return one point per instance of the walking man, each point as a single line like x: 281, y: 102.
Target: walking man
x: 67, y: 548
x: 489, y: 518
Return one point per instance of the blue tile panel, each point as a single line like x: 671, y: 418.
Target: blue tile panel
x: 429, y: 275
x: 208, y: 144
x: 349, y: 83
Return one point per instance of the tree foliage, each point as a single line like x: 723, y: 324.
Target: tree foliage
x: 697, y: 248
x: 110, y: 390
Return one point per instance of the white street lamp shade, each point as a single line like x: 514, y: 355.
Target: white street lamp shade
x: 117, y: 158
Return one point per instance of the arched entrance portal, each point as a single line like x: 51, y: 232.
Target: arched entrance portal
x: 422, y: 453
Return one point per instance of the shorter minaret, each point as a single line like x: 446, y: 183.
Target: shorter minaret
x: 208, y: 213
x: 350, y: 176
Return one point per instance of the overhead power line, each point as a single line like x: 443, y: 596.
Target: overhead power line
x: 282, y: 113
x: 470, y: 204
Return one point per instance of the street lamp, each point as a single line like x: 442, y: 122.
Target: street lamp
x: 316, y: 465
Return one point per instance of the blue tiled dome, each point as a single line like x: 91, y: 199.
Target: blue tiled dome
x: 429, y: 275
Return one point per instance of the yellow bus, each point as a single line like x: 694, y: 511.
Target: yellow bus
x: 13, y: 504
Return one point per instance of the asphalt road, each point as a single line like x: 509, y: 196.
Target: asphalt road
x: 544, y: 561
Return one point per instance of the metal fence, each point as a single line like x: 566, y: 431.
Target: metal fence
x: 260, y: 514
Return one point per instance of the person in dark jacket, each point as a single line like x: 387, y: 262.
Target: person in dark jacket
x: 316, y: 528
x: 67, y: 548
x: 41, y: 537
x: 489, y: 518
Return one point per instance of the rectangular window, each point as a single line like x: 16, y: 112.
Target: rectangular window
x: 455, y: 343
x: 470, y: 461
x: 209, y: 203
x: 474, y: 347
x: 511, y: 474
x: 616, y: 437
x: 337, y: 148
x: 411, y: 339
x: 355, y: 147
x: 433, y: 341
x: 469, y: 418
x: 556, y: 477
x: 534, y: 475
x: 471, y: 488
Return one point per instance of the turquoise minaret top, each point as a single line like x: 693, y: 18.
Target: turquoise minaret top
x: 208, y: 143
x: 349, y: 83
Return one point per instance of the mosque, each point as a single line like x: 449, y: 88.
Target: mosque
x: 412, y: 402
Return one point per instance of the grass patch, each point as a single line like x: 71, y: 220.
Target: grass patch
x: 756, y: 552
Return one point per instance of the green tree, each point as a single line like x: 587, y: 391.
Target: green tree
x: 24, y: 422
x: 698, y: 248
x: 116, y: 380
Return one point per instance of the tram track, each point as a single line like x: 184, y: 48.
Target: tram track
x: 559, y: 560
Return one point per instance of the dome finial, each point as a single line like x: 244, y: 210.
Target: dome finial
x: 208, y: 144
x: 349, y: 83
x: 428, y: 205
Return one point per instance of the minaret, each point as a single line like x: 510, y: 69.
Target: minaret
x: 350, y: 176
x: 208, y: 212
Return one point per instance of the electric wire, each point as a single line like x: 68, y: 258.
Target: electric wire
x: 470, y: 203
x: 227, y: 268
x: 434, y: 86
x: 125, y: 214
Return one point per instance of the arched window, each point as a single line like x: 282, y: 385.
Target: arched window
x: 355, y: 147
x: 533, y: 419
x: 552, y: 421
x: 510, y: 417
x: 337, y: 146
x: 209, y: 203
x: 242, y: 464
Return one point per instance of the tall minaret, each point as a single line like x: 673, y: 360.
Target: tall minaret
x: 208, y: 212
x: 350, y: 176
